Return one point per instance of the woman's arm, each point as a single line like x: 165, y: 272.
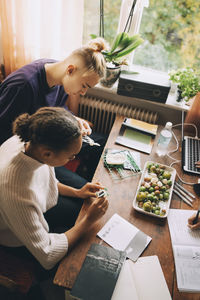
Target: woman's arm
x: 96, y: 210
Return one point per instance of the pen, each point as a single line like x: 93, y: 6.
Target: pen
x: 88, y: 140
x: 183, y: 193
x: 183, y: 189
x: 196, y: 217
x: 135, y: 166
x: 182, y: 198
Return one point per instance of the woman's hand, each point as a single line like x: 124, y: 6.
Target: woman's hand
x: 85, y: 127
x: 190, y: 222
x: 97, y: 209
x: 89, y: 190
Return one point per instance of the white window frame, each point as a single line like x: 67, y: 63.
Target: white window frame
x: 136, y: 20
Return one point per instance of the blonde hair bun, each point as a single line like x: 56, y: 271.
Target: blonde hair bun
x: 98, y: 44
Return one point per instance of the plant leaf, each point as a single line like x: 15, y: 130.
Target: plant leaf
x: 130, y: 48
x: 130, y: 41
x: 93, y: 36
x: 117, y: 40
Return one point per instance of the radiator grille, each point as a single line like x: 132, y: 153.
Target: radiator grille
x: 102, y: 113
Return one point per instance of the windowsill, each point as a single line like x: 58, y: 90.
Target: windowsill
x: 112, y: 92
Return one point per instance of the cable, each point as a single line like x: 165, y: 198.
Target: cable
x: 177, y: 143
x: 101, y: 26
x: 196, y: 130
x: 130, y: 17
x: 176, y: 149
x: 188, y: 183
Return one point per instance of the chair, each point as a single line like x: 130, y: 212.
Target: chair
x: 16, y: 275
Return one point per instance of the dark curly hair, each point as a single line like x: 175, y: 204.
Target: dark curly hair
x: 53, y: 127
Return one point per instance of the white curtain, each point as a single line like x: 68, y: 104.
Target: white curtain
x: 33, y: 29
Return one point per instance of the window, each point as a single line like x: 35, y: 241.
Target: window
x: 92, y: 19
x: 169, y: 28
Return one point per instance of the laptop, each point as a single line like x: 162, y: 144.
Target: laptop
x: 190, y: 152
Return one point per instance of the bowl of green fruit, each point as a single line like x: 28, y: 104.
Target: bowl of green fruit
x: 154, y: 193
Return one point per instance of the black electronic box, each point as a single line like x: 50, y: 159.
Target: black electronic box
x: 145, y: 84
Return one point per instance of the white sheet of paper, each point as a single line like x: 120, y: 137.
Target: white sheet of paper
x: 122, y: 235
x: 179, y: 231
x: 187, y: 267
x: 117, y: 232
x: 125, y: 286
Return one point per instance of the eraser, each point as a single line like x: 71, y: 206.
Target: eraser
x: 101, y: 193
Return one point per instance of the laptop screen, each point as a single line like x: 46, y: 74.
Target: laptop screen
x: 190, y: 151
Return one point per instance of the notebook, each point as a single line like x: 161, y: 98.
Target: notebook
x: 186, y: 250
x: 190, y: 151
x: 137, y: 135
x: 141, y: 280
x: 99, y: 273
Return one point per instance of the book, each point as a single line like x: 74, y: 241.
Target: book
x: 141, y: 280
x: 141, y: 125
x: 137, y: 135
x: 186, y: 250
x: 99, y: 273
x: 123, y: 236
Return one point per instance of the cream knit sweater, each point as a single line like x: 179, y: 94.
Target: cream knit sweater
x: 27, y: 190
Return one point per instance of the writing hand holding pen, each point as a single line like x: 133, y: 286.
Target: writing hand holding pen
x: 194, y: 221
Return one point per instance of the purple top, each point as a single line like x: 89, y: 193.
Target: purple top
x: 26, y: 90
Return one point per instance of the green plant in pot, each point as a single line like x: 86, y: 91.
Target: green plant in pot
x: 122, y: 46
x: 187, y: 81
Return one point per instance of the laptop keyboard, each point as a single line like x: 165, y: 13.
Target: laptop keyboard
x: 191, y: 154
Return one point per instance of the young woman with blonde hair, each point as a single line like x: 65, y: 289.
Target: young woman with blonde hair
x: 46, y: 82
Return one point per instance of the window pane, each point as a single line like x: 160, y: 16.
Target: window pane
x: 92, y: 19
x: 172, y: 35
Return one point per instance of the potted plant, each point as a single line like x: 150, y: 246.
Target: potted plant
x: 187, y: 81
x: 122, y: 45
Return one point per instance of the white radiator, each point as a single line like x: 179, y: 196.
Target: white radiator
x: 102, y: 113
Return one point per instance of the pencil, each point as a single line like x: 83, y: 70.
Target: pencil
x: 183, y: 193
x: 184, y: 190
x: 182, y: 198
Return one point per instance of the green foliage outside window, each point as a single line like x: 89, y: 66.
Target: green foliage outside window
x: 92, y: 19
x: 172, y: 35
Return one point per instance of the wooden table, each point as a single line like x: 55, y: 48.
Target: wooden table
x: 121, y: 195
